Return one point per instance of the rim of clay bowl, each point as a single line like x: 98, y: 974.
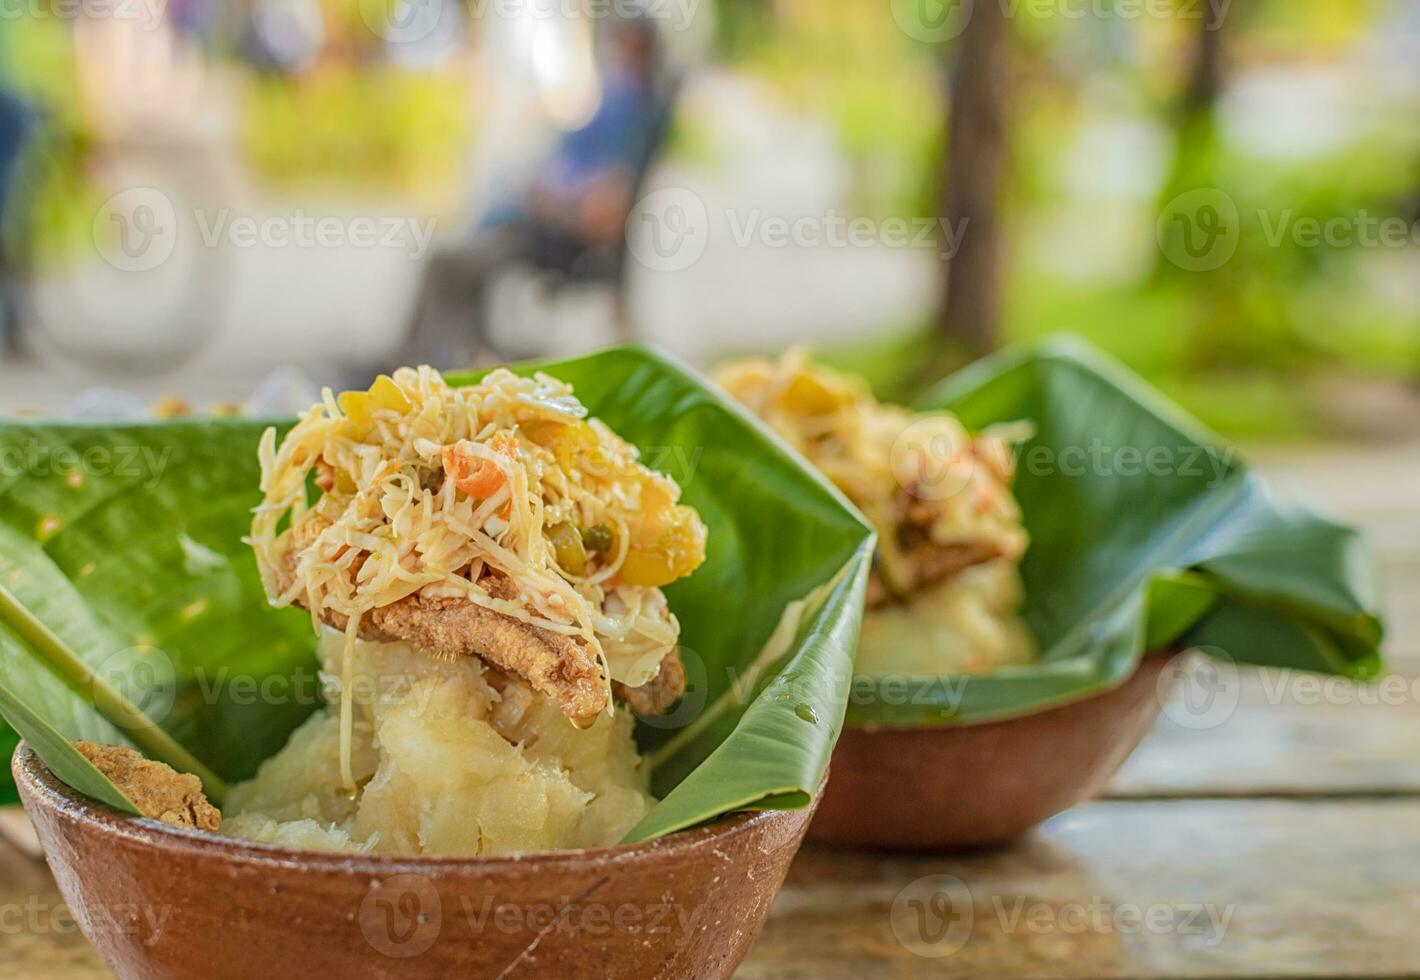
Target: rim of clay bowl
x: 69, y: 804
x: 1164, y: 653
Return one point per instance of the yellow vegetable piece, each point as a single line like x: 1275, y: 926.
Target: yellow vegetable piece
x: 360, y: 406
x: 359, y: 412
x: 567, y: 542
x: 386, y: 394
x: 679, y: 551
x: 658, y: 512
x: 573, y: 442
x: 810, y: 396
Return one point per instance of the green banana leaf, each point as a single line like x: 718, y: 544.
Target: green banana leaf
x: 61, y: 756
x: 126, y: 542
x: 1147, y: 532
x: 9, y: 739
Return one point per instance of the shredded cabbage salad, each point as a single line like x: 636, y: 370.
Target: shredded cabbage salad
x: 415, y: 486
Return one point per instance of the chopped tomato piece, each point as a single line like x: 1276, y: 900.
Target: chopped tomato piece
x: 474, y: 475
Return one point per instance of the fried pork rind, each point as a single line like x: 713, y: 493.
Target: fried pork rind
x: 656, y: 696
x: 494, y: 520
x: 157, y: 790
x: 939, y: 497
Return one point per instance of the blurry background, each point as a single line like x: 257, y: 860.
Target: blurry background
x: 230, y: 201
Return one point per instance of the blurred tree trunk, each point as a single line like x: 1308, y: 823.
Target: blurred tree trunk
x: 1193, y: 123
x: 969, y: 304
x: 1235, y: 328
x: 1205, y: 78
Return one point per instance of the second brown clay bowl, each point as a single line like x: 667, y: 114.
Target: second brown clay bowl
x: 935, y: 789
x: 166, y: 904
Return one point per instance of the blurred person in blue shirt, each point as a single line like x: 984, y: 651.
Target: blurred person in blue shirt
x: 572, y: 216
x: 14, y: 124
x: 583, y: 188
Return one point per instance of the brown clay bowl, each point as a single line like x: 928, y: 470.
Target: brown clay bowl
x: 937, y: 789
x: 163, y: 904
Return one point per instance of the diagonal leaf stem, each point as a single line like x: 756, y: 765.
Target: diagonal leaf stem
x: 103, y: 696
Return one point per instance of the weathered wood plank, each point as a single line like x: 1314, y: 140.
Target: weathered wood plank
x: 1227, y: 888
x: 38, y: 937
x: 1290, y: 734
x: 16, y: 830
x: 1302, y: 735
x: 1358, y: 482
x: 1372, y: 486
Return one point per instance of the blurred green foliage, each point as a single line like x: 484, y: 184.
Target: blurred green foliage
x: 848, y: 63
x: 351, y: 123
x: 345, y: 127
x: 1304, y: 152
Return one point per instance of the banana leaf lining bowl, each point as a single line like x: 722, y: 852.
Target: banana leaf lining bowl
x: 131, y: 612
x: 949, y: 788
x: 1147, y: 533
x: 165, y: 904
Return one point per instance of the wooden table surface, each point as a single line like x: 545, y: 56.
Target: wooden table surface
x: 1283, y: 840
